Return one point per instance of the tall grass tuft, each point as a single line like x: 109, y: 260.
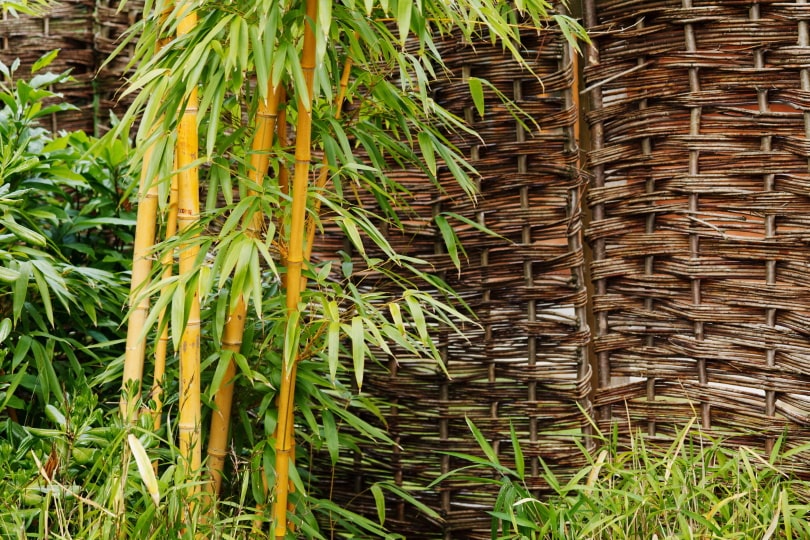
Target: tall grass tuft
x: 693, y: 486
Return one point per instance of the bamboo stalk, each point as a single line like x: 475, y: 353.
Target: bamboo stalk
x: 135, y: 351
x: 187, y: 216
x: 145, y: 228
x: 295, y: 255
x: 235, y: 324
x: 162, y: 345
x: 324, y: 174
x: 284, y: 187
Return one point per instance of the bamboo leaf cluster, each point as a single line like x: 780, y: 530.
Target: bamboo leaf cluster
x: 258, y: 122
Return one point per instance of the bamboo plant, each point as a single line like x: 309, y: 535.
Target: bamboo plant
x: 267, y: 115
x: 242, y: 57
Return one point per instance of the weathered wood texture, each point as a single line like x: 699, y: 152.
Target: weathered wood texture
x: 700, y: 196
x: 526, y: 365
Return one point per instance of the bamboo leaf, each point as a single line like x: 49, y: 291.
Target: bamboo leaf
x: 477, y: 93
x: 358, y: 349
x: 418, y: 317
x: 178, y: 314
x: 450, y: 239
x: 5, y: 329
x: 396, y: 315
x: 333, y: 349
x: 379, y: 501
x: 426, y: 145
x: 20, y: 288
x: 482, y: 442
x: 330, y: 433
x: 291, y: 339
x: 404, y: 20
x: 144, y: 468
x: 520, y: 463
x: 350, y: 228
x: 410, y: 499
x: 324, y: 15
x: 44, y: 60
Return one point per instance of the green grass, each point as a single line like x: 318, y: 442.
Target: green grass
x: 694, y: 486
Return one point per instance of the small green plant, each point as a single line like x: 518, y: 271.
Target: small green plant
x: 696, y: 487
x: 64, y: 236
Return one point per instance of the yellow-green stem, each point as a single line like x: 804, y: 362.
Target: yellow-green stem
x: 187, y: 216
x: 235, y: 325
x: 295, y: 257
x: 139, y: 303
x: 162, y: 345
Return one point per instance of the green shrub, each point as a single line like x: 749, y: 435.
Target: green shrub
x: 64, y: 241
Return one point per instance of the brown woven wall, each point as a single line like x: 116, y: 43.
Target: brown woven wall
x: 86, y: 32
x: 527, y: 365
x: 701, y: 192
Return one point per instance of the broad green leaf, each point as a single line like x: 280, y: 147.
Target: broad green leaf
x: 55, y: 415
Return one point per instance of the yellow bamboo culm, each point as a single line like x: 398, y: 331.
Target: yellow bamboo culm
x: 145, y: 227
x: 235, y: 324
x: 135, y: 351
x: 188, y: 212
x: 295, y: 257
x: 324, y: 174
x: 162, y: 345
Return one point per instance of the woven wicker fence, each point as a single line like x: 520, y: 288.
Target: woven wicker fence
x: 526, y: 365
x: 86, y: 32
x: 700, y: 202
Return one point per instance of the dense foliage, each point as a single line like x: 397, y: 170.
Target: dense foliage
x: 692, y: 485
x: 65, y: 237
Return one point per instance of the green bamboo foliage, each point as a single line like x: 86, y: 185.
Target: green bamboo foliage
x: 254, y: 276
